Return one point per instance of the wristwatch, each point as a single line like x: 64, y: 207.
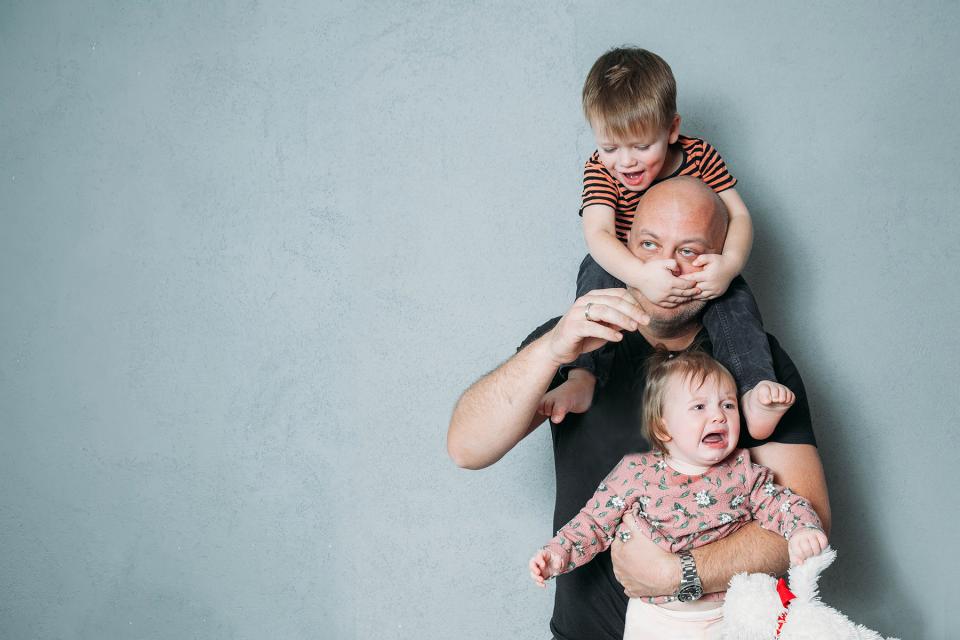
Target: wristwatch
x: 690, y: 586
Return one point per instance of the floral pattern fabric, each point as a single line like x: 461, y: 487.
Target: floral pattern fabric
x: 677, y: 511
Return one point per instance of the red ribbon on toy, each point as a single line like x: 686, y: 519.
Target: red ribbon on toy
x: 785, y: 597
x: 784, y: 592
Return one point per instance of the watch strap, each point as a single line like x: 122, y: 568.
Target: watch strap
x: 690, y: 586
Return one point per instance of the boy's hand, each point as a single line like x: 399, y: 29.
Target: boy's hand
x: 658, y: 282
x: 713, y: 280
x: 543, y: 565
x: 806, y: 543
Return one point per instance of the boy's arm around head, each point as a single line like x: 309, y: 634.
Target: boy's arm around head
x: 654, y: 278
x: 500, y: 409
x: 600, y: 234
x: 720, y: 269
x: 739, y: 239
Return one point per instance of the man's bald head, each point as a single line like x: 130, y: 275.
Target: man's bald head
x: 677, y: 220
x: 687, y: 198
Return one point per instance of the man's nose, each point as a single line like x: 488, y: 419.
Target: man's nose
x: 684, y: 267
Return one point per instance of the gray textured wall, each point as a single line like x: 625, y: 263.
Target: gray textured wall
x: 251, y: 252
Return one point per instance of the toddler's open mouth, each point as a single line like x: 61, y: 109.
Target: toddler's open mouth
x: 715, y: 439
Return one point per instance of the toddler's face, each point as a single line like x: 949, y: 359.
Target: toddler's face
x: 703, y: 422
x: 638, y: 160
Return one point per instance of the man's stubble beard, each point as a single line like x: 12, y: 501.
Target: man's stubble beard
x: 680, y: 321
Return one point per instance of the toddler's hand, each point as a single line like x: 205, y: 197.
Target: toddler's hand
x: 543, y: 565
x: 713, y: 280
x: 657, y: 281
x: 806, y: 543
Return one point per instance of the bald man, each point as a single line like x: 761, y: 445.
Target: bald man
x: 677, y: 219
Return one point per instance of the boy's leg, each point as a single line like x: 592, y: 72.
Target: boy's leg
x: 739, y: 341
x: 592, y: 276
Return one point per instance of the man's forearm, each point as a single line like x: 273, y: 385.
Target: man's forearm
x: 646, y: 570
x: 751, y: 549
x: 500, y: 409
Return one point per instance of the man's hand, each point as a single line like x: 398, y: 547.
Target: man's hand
x: 643, y: 568
x: 594, y: 319
x: 714, y: 279
x: 658, y: 282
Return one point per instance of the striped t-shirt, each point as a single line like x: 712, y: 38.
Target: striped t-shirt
x: 700, y: 160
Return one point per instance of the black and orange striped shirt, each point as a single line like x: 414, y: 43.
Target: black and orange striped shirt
x: 700, y: 160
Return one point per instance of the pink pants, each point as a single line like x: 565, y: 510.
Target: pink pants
x: 648, y: 621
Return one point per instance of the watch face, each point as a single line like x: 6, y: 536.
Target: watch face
x: 689, y: 593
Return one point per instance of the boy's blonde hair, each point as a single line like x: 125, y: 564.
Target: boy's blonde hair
x: 629, y: 92
x: 692, y: 367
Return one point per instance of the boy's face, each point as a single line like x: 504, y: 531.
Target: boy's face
x: 639, y: 160
x: 703, y: 422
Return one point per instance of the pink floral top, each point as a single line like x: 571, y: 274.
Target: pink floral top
x: 680, y: 512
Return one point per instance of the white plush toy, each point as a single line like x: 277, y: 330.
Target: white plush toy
x: 758, y: 607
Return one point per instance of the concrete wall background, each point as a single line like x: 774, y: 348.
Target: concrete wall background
x: 250, y: 253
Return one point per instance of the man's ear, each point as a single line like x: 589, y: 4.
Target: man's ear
x: 674, y: 129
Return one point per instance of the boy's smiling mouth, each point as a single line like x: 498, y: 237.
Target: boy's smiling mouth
x: 633, y: 178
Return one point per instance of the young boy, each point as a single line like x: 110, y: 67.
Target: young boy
x: 629, y: 99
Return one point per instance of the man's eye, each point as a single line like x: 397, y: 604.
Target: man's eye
x: 647, y: 244
x: 687, y: 253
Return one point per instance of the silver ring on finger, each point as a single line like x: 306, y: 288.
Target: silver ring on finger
x: 586, y: 312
